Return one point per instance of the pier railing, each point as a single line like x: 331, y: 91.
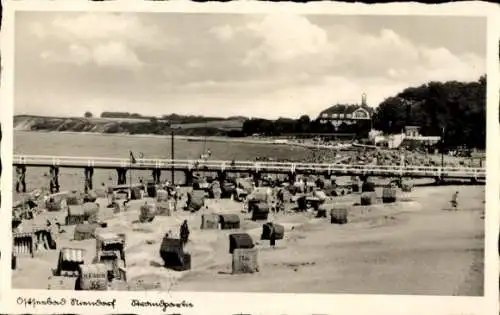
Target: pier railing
x: 222, y: 165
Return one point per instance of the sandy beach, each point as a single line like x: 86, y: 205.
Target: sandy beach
x: 413, y: 246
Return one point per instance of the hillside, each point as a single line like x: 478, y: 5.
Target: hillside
x: 223, y: 127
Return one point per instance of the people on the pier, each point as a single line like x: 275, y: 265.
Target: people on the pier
x: 184, y: 233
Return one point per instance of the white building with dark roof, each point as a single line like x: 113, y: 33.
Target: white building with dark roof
x: 346, y: 114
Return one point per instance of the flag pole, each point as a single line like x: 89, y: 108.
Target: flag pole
x: 130, y: 174
x: 172, y: 154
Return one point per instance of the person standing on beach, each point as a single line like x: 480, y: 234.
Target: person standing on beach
x: 184, y: 233
x: 104, y: 190
x: 454, y: 201
x: 281, y: 199
x: 272, y: 236
x: 173, y: 197
x: 177, y: 196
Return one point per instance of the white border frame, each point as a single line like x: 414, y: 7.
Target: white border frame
x: 289, y: 304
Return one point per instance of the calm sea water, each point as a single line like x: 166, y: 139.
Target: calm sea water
x: 98, y: 145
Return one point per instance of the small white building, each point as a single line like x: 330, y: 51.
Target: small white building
x: 409, y: 134
x: 412, y: 131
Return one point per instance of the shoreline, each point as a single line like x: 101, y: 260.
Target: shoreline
x: 218, y: 139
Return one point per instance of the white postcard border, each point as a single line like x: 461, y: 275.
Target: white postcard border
x: 233, y: 303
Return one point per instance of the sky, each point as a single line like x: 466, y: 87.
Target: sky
x: 267, y: 66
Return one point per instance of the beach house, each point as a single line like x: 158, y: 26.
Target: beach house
x: 348, y: 114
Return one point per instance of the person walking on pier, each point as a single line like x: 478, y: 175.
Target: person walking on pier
x: 184, y: 233
x: 454, y: 201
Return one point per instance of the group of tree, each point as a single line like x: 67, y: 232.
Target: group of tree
x: 171, y: 118
x: 303, y: 125
x: 194, y: 119
x: 123, y: 115
x: 454, y: 110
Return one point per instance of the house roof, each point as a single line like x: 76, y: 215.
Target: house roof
x: 345, y: 109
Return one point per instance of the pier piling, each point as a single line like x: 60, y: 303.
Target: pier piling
x: 189, y: 177
x: 256, y: 178
x: 122, y: 175
x: 438, y: 180
x: 221, y: 176
x: 21, y: 179
x: 54, y: 179
x: 156, y: 175
x: 89, y: 173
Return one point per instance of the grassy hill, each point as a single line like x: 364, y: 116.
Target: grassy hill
x: 222, y: 127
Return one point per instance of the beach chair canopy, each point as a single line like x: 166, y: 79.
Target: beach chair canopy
x: 229, y: 218
x: 94, y: 271
x: 72, y: 255
x: 279, y: 231
x: 76, y: 211
x: 240, y: 240
x: 172, y: 251
x: 109, y: 238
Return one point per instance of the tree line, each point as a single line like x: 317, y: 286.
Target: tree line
x: 454, y: 110
x: 171, y: 118
x: 303, y: 125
